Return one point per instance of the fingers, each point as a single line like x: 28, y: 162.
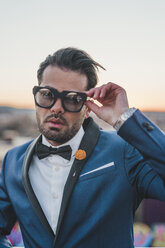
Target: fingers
x: 93, y: 93
x: 102, y: 91
x: 93, y: 107
x: 113, y: 100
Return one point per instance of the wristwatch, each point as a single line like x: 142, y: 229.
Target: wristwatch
x: 123, y: 117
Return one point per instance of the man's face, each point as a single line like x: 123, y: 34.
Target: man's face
x: 56, y: 124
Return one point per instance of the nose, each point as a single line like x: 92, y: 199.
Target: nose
x: 57, y: 108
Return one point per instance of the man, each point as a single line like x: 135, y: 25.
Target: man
x: 84, y: 194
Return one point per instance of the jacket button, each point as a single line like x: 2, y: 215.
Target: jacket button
x: 145, y: 124
x: 150, y: 128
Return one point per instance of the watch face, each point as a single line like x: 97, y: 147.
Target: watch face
x: 118, y: 124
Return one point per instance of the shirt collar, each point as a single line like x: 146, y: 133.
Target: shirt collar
x: 74, y: 142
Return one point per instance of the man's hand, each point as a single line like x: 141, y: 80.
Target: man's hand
x: 113, y: 99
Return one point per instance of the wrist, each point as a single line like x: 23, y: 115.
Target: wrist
x: 123, y: 117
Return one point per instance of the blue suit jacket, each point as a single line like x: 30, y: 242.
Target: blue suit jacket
x: 101, y: 194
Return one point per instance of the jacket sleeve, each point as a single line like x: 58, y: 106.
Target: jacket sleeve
x: 142, y: 176
x: 7, y: 214
x: 147, y: 138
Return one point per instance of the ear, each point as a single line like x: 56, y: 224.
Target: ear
x: 87, y: 112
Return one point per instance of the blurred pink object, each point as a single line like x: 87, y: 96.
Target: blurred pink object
x: 15, y: 236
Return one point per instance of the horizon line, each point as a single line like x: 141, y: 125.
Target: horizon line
x: 28, y: 106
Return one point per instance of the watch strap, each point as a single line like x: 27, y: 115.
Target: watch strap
x: 123, y: 117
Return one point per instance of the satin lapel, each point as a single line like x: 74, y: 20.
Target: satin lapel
x: 28, y: 188
x: 88, y: 143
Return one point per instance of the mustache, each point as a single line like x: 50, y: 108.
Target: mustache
x: 57, y: 116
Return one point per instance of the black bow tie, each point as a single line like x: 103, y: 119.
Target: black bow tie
x: 43, y: 151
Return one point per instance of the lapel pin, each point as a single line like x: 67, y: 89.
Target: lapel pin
x: 74, y: 174
x: 80, y: 154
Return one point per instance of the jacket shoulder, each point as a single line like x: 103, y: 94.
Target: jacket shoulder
x: 20, y: 150
x: 112, y: 137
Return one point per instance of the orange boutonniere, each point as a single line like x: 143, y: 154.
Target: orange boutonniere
x: 80, y: 154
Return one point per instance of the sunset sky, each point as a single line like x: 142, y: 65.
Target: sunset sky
x: 126, y: 36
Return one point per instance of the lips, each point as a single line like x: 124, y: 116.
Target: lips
x: 56, y: 123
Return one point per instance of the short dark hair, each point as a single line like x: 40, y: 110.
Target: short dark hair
x: 75, y: 60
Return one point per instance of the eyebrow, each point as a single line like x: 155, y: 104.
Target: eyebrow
x: 48, y: 87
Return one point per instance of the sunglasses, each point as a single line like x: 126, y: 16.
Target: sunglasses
x: 45, y: 97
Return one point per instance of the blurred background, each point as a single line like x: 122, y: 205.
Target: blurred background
x: 126, y: 37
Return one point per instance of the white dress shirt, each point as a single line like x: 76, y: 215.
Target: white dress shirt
x: 48, y: 177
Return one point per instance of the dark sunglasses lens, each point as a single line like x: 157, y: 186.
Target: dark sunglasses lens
x: 44, y: 98
x: 73, y: 102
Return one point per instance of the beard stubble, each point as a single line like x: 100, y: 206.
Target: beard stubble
x: 56, y: 135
